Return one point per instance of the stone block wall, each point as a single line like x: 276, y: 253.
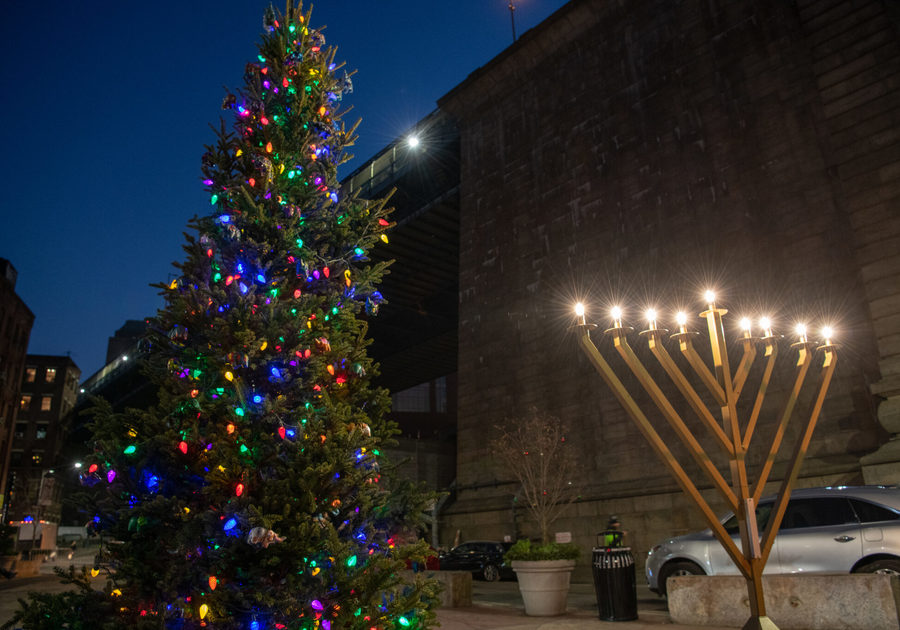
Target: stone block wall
x: 638, y: 154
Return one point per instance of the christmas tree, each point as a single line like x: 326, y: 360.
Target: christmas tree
x: 251, y: 496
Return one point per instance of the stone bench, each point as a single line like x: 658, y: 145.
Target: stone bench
x: 793, y: 602
x: 457, y: 586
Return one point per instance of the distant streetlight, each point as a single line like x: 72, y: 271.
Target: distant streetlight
x: 512, y: 18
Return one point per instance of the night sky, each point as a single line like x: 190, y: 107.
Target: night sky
x: 106, y: 110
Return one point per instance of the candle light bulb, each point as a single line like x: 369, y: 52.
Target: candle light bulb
x: 801, y: 332
x: 766, y: 324
x: 651, y: 317
x: 681, y: 319
x: 710, y: 297
x: 616, y: 313
x: 746, y: 324
x: 579, y: 311
x: 827, y: 332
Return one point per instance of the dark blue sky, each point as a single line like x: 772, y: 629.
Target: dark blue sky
x: 106, y: 107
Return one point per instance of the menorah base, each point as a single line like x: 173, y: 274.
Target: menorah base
x: 759, y: 623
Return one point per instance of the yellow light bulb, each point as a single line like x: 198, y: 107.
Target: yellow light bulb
x: 229, y: 376
x: 203, y: 610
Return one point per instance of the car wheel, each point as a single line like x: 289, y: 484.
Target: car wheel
x: 490, y: 573
x: 678, y: 568
x: 886, y: 566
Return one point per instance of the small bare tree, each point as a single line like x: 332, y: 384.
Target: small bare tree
x: 535, y: 451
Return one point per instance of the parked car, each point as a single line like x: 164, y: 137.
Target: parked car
x: 824, y: 530
x: 482, y: 557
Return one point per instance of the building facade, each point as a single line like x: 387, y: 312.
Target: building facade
x: 36, y: 471
x: 15, y: 329
x: 639, y: 154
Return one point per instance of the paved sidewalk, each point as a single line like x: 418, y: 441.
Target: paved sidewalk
x: 497, y: 605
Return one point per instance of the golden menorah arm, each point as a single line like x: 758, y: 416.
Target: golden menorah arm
x: 771, y: 353
x: 672, y: 417
x: 800, y: 449
x: 662, y: 451
x: 804, y: 359
x: 689, y: 393
x: 708, y: 378
x: 743, y: 370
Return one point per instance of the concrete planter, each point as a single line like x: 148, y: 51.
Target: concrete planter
x: 544, y: 585
x: 860, y: 601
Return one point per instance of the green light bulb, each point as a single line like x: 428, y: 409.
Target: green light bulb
x: 130, y: 450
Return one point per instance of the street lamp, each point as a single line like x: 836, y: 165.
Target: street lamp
x: 732, y: 434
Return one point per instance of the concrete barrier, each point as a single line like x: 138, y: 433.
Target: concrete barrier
x: 456, y: 591
x: 793, y: 602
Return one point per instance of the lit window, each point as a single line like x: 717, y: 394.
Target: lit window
x: 50, y: 375
x: 25, y: 403
x: 41, y: 432
x: 30, y: 373
x: 46, y: 403
x: 37, y: 458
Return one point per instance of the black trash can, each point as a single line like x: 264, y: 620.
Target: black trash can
x: 614, y: 582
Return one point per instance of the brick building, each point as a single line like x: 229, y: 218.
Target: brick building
x: 49, y: 392
x: 15, y: 328
x: 640, y: 153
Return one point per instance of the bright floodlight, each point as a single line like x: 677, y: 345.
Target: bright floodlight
x: 412, y: 141
x: 579, y: 309
x: 681, y: 318
x: 746, y: 324
x: 710, y: 297
x: 616, y: 312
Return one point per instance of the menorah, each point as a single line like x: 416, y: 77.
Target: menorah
x: 734, y: 435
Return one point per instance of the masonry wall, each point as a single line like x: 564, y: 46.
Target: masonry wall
x: 637, y: 154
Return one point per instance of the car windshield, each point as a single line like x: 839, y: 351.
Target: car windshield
x: 762, y: 517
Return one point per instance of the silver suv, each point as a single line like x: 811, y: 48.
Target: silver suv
x: 824, y: 530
